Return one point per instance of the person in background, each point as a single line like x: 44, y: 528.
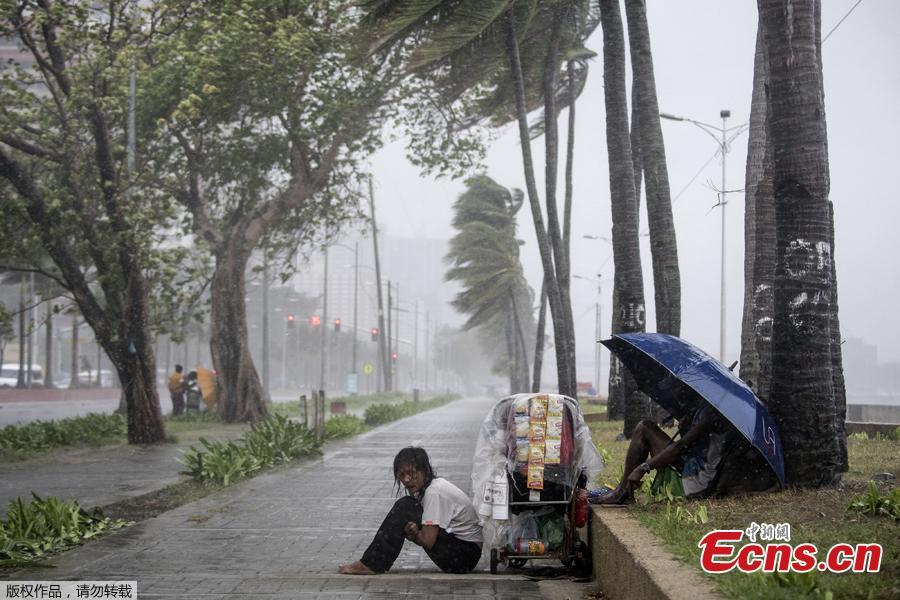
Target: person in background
x: 176, y: 390
x: 434, y: 514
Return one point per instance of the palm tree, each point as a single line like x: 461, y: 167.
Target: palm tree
x: 484, y: 258
x: 462, y: 45
x: 803, y: 394
x: 628, y: 289
x: 663, y: 246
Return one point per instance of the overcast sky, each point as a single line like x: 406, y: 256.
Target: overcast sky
x: 703, y: 60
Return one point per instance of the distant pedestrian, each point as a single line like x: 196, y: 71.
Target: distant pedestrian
x: 176, y: 390
x: 434, y: 514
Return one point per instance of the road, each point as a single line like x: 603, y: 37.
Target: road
x: 282, y: 534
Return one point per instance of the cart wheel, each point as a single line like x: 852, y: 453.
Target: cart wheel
x: 494, y: 561
x: 517, y: 563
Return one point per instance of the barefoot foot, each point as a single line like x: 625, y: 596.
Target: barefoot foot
x: 355, y: 568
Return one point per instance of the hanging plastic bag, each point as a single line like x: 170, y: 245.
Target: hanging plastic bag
x: 552, y: 529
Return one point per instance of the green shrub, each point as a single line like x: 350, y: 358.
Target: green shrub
x: 93, y: 428
x: 378, y: 414
x: 875, y: 504
x: 33, y: 530
x: 340, y: 426
x: 273, y: 441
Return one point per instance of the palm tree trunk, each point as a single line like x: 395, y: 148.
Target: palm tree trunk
x: 539, y: 341
x: 759, y: 236
x: 637, y: 158
x: 837, y: 360
x: 663, y: 246
x: 553, y: 291
x: 560, y: 254
x: 628, y: 286
x: 802, y: 398
x: 521, y: 351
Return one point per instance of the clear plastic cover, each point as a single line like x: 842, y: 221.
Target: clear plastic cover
x: 523, y: 436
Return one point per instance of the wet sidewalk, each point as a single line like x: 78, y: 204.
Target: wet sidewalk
x: 282, y: 534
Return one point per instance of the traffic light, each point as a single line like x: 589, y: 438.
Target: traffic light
x: 393, y: 357
x: 337, y: 325
x: 290, y: 321
x: 315, y: 321
x: 374, y: 334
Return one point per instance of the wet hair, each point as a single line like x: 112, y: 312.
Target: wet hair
x: 179, y: 368
x: 416, y: 458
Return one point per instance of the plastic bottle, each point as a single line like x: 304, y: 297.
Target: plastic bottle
x: 581, y: 507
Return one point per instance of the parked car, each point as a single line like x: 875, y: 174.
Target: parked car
x: 9, y: 375
x: 89, y: 378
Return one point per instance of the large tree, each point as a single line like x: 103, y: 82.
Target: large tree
x: 803, y: 397
x: 62, y: 151
x: 269, y: 108
x: 663, y: 246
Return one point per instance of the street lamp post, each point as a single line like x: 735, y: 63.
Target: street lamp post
x: 723, y: 143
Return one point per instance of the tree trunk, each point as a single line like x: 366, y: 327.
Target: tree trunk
x: 510, y: 355
x: 560, y: 256
x: 637, y: 158
x: 628, y: 286
x: 20, y: 378
x: 663, y: 246
x: 521, y: 351
x: 239, y: 392
x: 539, y: 341
x: 837, y: 360
x: 759, y: 237
x: 553, y: 291
x: 802, y: 398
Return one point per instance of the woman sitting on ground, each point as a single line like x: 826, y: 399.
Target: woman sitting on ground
x: 434, y: 514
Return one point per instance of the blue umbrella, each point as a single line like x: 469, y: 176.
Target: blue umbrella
x: 677, y: 375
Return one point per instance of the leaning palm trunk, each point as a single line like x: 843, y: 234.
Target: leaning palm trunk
x: 663, y: 247
x: 553, y: 291
x: 560, y: 252
x: 802, y: 398
x: 539, y: 341
x: 628, y: 287
x: 759, y: 237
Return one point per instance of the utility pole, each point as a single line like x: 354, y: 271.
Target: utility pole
x: 353, y: 370
x: 427, y: 348
x: 415, y: 370
x: 265, y: 327
x: 389, y: 367
x: 323, y: 340
x: 384, y: 363
x: 723, y: 144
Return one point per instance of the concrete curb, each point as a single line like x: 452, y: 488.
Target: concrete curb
x: 631, y: 562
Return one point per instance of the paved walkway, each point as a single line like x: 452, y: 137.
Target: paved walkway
x: 282, y: 534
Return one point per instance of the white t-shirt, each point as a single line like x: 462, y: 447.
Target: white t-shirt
x: 446, y: 506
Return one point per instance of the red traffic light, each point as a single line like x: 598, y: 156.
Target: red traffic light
x: 290, y: 320
x: 337, y: 325
x: 394, y: 356
x: 315, y: 321
x: 374, y: 334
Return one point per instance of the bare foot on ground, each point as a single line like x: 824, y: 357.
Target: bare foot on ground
x: 355, y: 568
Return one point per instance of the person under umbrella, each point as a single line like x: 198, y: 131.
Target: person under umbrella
x: 695, y: 456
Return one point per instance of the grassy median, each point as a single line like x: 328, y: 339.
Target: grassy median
x: 822, y: 517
